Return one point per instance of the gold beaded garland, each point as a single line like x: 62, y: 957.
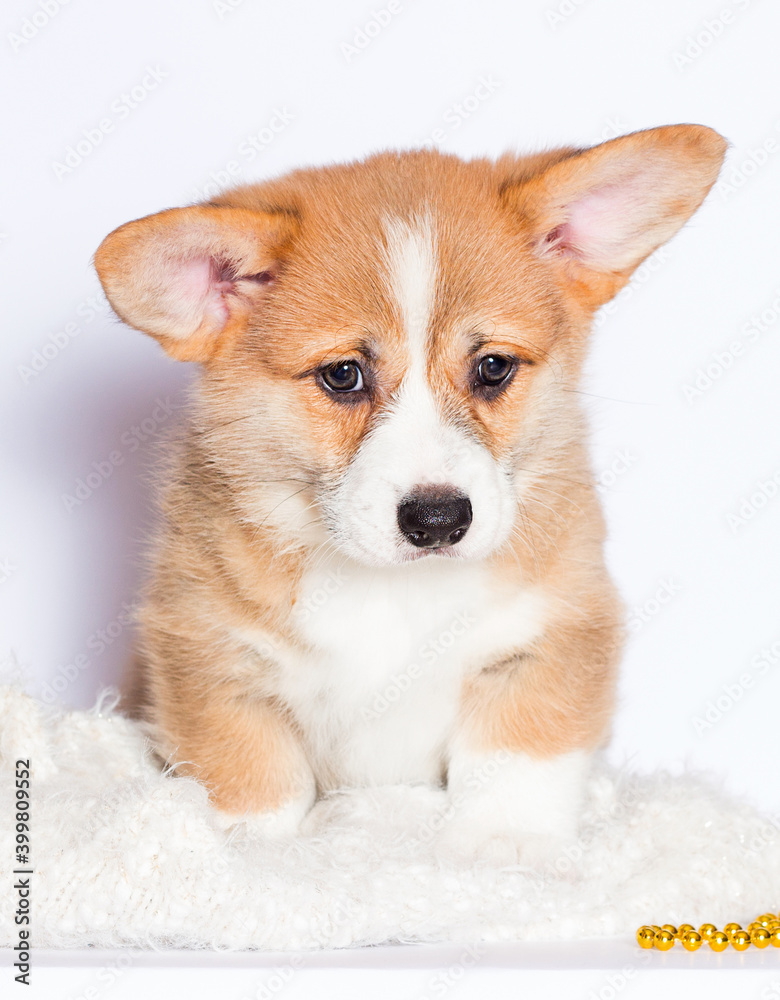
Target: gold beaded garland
x: 761, y: 932
x: 691, y: 940
x: 759, y: 937
x: 719, y: 941
x: 646, y: 937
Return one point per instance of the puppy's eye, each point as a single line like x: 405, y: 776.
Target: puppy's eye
x: 494, y: 369
x: 344, y: 376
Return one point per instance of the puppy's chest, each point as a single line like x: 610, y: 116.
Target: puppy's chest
x: 377, y: 696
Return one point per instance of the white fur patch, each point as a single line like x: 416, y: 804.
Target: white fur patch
x: 513, y: 807
x: 377, y: 696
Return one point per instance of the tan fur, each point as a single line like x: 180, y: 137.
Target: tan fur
x: 263, y: 430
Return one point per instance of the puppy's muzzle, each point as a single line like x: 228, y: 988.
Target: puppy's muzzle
x: 434, y: 517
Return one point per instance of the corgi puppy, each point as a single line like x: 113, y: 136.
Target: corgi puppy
x: 381, y: 559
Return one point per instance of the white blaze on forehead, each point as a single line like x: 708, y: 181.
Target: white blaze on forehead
x: 411, y: 435
x: 412, y: 268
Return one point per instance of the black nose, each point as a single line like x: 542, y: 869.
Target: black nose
x: 433, y: 517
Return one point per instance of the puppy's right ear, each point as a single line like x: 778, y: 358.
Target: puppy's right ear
x: 192, y: 277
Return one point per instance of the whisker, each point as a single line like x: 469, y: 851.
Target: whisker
x: 535, y: 526
x: 553, y: 493
x: 609, y: 399
x: 553, y: 475
x: 276, y: 506
x: 204, y: 432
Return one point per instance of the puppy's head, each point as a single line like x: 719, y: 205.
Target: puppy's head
x: 389, y: 346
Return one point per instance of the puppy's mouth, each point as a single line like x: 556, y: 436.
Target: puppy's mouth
x: 414, y: 555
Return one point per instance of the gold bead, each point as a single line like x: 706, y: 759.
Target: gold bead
x: 760, y: 936
x: 691, y: 940
x: 646, y: 937
x: 669, y: 927
x: 765, y: 919
x: 740, y: 940
x: 707, y: 930
x: 731, y: 928
x: 664, y: 940
x: 774, y: 937
x: 719, y: 941
x: 683, y: 929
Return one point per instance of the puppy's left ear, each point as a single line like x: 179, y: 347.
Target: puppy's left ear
x: 595, y: 215
x: 194, y: 277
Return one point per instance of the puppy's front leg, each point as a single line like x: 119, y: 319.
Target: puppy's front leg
x: 246, y: 752
x: 521, y: 756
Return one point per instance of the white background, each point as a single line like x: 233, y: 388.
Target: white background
x: 591, y: 70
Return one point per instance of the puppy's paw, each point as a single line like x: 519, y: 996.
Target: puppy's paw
x: 512, y: 810
x: 472, y: 843
x: 275, y: 824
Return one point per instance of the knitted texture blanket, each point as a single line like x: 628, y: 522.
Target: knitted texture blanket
x: 126, y: 854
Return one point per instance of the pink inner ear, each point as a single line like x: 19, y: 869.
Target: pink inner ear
x: 600, y: 224
x: 199, y: 288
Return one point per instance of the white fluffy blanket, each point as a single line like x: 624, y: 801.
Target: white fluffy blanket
x: 125, y: 855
